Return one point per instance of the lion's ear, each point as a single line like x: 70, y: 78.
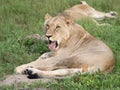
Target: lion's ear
x: 69, y: 21
x: 47, y: 17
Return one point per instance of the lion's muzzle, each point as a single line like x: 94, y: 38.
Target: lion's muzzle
x: 53, y: 45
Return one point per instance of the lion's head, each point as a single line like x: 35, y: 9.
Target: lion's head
x: 57, y: 29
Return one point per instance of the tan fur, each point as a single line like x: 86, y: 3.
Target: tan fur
x: 83, y: 10
x: 77, y: 51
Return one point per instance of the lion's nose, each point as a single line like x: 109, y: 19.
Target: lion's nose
x: 48, y: 36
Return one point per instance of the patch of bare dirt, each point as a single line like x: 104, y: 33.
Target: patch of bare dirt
x: 16, y: 79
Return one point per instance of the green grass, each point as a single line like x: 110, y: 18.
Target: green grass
x: 19, y: 18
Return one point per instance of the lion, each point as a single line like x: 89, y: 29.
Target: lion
x: 80, y: 12
x: 83, y: 10
x: 73, y: 50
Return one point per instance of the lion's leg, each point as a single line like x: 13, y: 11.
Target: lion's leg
x: 97, y: 15
x: 35, y: 73
x: 19, y: 69
x: 111, y: 14
x: 96, y: 22
x: 43, y: 64
x: 99, y: 24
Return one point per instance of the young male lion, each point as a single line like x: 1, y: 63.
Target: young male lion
x: 74, y: 50
x: 83, y: 10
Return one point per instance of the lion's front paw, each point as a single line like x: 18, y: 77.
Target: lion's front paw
x: 32, y: 73
x: 20, y: 69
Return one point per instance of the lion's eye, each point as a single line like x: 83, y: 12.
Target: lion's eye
x: 47, y: 26
x: 57, y: 27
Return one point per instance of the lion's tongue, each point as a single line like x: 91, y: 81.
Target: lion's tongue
x: 52, y: 46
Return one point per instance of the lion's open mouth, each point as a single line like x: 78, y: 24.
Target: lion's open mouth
x: 53, y: 45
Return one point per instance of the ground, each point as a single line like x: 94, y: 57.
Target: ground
x: 19, y: 18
